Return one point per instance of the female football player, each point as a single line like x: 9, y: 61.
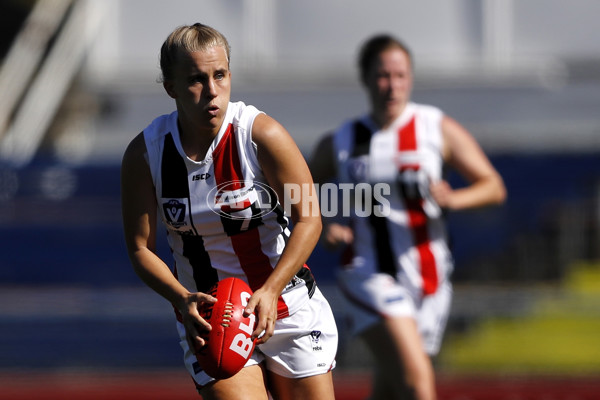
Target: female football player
x: 213, y: 171
x: 397, y: 263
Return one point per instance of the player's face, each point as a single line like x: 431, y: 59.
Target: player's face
x: 389, y: 84
x: 201, y: 87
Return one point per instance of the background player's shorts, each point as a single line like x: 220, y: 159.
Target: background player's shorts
x: 374, y: 297
x: 303, y: 344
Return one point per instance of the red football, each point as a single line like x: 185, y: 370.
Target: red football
x: 229, y: 344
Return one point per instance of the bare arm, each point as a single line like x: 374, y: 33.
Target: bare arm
x: 463, y: 153
x: 138, y: 203
x: 282, y: 164
x: 322, y: 165
x: 323, y: 168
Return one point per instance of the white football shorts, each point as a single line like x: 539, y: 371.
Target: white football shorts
x: 373, y: 297
x: 303, y: 344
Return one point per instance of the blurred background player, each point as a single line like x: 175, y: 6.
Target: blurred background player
x: 397, y: 264
x: 175, y: 170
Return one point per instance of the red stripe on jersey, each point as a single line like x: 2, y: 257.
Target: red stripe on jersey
x: 255, y: 263
x: 240, y: 205
x: 246, y: 244
x: 407, y: 136
x: 226, y: 162
x: 407, y: 141
x: 418, y: 226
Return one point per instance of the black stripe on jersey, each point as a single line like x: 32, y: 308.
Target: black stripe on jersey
x: 384, y: 253
x: 383, y: 249
x: 233, y: 226
x: 282, y: 221
x: 306, y: 275
x: 174, y: 173
x: 205, y: 275
x: 362, y: 139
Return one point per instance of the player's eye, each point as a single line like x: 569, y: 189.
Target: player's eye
x: 197, y: 79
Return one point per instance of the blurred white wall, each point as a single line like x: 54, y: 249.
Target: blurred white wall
x: 504, y: 68
x: 318, y: 39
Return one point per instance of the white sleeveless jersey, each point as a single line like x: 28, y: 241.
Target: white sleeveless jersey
x: 221, y: 217
x: 404, y: 233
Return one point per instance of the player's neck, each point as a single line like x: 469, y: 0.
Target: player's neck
x: 385, y: 118
x: 196, y: 140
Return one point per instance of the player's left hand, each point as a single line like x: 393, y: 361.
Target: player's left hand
x: 264, y: 304
x: 192, y: 321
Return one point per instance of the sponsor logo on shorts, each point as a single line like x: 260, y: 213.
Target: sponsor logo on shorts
x: 315, y: 336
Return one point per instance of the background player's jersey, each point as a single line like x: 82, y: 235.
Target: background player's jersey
x: 409, y: 242
x: 221, y: 216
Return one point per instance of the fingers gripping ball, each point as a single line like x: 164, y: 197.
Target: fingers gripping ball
x: 229, y: 344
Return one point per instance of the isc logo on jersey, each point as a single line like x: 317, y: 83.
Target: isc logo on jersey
x: 242, y: 200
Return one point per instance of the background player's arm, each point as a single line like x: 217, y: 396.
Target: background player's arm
x: 462, y: 152
x: 322, y: 163
x: 138, y: 200
x: 282, y: 163
x: 323, y: 168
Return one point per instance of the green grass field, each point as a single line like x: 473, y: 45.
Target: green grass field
x: 560, y: 335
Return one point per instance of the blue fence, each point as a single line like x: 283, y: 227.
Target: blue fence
x: 60, y: 228
x: 69, y: 231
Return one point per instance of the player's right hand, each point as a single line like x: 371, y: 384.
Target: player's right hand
x: 335, y: 235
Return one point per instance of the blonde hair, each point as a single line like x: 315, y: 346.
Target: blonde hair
x: 197, y: 37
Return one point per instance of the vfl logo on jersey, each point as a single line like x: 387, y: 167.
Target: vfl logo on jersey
x: 358, y: 169
x: 241, y: 200
x: 175, y: 211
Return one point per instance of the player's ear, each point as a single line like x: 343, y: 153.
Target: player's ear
x: 168, y: 85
